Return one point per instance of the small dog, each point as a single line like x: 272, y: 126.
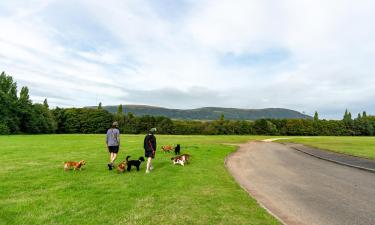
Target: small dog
x: 121, y: 167
x: 74, y: 165
x: 181, y: 159
x: 136, y: 163
x: 167, y: 148
x: 177, y: 149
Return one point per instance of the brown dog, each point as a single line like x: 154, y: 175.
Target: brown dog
x: 167, y: 148
x: 121, y: 167
x: 74, y: 165
x: 181, y: 159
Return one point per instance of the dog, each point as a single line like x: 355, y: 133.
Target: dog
x: 75, y: 165
x: 121, y: 167
x: 177, y: 149
x: 167, y: 148
x: 136, y: 163
x: 181, y: 159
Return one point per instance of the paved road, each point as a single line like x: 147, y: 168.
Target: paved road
x: 301, y: 189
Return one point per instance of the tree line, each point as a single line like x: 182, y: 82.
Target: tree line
x: 19, y: 115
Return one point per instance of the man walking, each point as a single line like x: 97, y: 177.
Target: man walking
x: 113, y: 143
x: 150, y: 147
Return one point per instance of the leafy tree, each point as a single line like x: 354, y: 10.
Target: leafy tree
x: 45, y: 103
x: 41, y: 120
x: 316, y: 116
x: 4, y: 129
x: 60, y: 119
x: 120, y: 110
x: 8, y: 108
x: 25, y: 111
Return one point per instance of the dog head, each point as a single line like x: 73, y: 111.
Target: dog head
x: 141, y: 159
x: 121, y: 167
x: 122, y: 164
x: 82, y: 162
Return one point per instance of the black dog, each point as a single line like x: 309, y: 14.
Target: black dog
x: 177, y: 149
x: 136, y: 163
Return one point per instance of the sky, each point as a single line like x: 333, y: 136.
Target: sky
x: 305, y: 55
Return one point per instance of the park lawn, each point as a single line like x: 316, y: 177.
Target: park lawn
x: 34, y: 189
x: 355, y: 146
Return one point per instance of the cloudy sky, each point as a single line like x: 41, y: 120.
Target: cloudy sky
x: 305, y: 55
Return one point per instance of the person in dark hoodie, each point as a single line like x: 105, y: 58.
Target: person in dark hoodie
x: 150, y: 148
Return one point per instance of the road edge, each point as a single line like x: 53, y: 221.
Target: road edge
x: 331, y: 160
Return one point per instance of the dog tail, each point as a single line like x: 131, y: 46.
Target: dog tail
x: 127, y: 158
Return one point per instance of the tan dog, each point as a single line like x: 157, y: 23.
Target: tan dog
x: 167, y: 148
x: 74, y: 165
x: 121, y: 167
x: 181, y: 159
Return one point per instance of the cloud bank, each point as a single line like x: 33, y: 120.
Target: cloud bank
x: 304, y: 55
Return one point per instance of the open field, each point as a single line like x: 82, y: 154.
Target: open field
x: 356, y: 146
x: 34, y: 189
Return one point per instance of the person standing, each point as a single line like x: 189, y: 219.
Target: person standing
x: 150, y: 148
x: 113, y: 143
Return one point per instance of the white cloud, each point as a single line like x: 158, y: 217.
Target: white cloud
x: 223, y: 51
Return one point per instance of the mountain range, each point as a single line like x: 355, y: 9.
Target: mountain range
x: 209, y: 113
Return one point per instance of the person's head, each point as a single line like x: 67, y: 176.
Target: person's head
x: 114, y: 124
x: 153, y: 130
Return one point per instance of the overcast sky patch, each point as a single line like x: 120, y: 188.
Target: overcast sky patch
x: 303, y: 55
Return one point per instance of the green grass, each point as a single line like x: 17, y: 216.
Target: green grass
x: 34, y: 189
x: 356, y: 146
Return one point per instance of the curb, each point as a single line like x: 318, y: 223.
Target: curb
x: 334, y: 161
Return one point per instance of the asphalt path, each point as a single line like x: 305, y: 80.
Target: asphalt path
x: 301, y: 189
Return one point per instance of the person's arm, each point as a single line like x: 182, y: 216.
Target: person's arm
x: 118, y: 137
x: 106, y: 139
x: 154, y: 143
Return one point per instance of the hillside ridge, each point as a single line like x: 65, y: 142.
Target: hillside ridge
x: 209, y: 113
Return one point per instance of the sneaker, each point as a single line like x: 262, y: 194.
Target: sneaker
x: 151, y: 167
x: 147, y: 171
x: 109, y: 166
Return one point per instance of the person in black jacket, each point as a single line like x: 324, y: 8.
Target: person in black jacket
x: 150, y: 148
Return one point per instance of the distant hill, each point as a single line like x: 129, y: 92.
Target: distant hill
x: 209, y: 113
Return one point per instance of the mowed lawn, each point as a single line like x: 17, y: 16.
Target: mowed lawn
x: 356, y: 146
x: 34, y: 188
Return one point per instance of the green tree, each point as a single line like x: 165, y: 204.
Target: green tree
x: 8, y: 104
x: 25, y: 111
x: 316, y: 116
x: 60, y: 119
x: 120, y: 110
x: 45, y: 103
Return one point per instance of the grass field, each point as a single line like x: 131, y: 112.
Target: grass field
x: 34, y: 189
x: 356, y: 146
